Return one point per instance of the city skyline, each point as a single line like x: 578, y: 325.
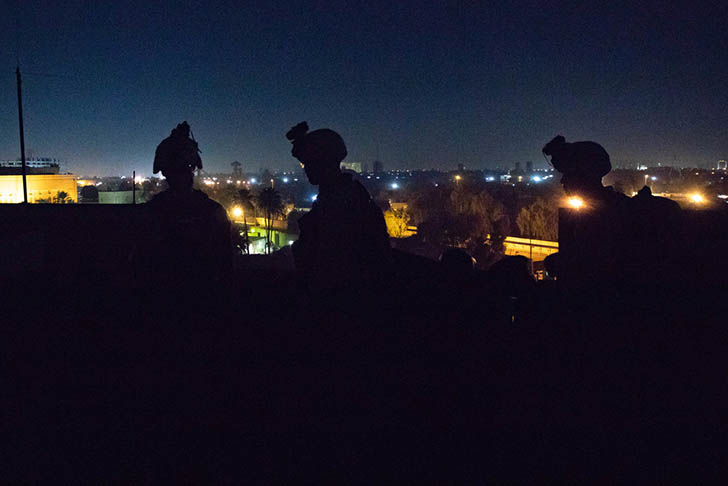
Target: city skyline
x: 416, y: 88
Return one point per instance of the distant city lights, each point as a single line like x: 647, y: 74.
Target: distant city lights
x: 394, y: 185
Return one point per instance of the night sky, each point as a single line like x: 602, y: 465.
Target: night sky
x: 425, y: 84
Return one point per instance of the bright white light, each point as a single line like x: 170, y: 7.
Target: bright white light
x: 723, y: 196
x: 653, y: 178
x: 253, y: 180
x: 237, y: 212
x: 490, y: 179
x: 314, y: 197
x: 697, y: 198
x: 536, y: 179
x: 290, y: 242
x: 285, y: 180
x: 394, y: 185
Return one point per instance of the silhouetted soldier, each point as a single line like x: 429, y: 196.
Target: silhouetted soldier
x: 654, y: 226
x: 582, y: 165
x: 593, y: 240
x: 343, y: 240
x: 190, y: 251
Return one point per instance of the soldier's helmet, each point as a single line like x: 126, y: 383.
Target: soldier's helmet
x: 322, y: 146
x: 178, y: 152
x: 587, y: 159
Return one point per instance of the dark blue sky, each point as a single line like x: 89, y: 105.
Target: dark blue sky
x: 421, y: 85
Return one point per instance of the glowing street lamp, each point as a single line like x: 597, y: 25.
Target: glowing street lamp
x: 237, y: 211
x: 697, y: 198
x: 575, y: 202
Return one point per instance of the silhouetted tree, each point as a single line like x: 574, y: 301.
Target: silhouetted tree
x: 61, y: 197
x: 462, y: 216
x: 246, y: 201
x: 397, y: 222
x: 538, y: 220
x: 270, y: 202
x: 89, y: 194
x: 293, y: 218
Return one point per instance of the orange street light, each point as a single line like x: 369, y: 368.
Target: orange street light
x: 697, y: 198
x: 237, y: 211
x: 575, y: 202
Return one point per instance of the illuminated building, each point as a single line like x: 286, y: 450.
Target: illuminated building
x: 352, y: 166
x: 41, y: 187
x: 722, y: 165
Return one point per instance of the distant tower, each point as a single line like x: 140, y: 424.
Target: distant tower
x: 461, y: 167
x: 377, y: 167
x: 722, y: 165
x: 365, y: 167
x: 518, y: 167
x: 529, y: 166
x: 237, y: 169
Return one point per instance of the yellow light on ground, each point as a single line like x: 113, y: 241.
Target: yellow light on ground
x: 697, y: 198
x: 237, y: 212
x: 575, y: 202
x: 457, y: 177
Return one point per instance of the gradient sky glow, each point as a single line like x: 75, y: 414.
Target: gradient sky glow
x: 420, y: 85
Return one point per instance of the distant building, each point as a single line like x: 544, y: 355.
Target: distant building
x: 352, y: 166
x: 237, y: 170
x: 722, y: 165
x: 377, y: 167
x: 365, y: 167
x: 120, y: 197
x: 461, y: 167
x: 38, y: 165
x: 529, y: 166
x: 41, y: 188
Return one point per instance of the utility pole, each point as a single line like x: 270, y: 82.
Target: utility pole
x: 22, y: 135
x: 133, y: 187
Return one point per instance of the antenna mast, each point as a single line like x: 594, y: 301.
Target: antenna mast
x: 22, y: 135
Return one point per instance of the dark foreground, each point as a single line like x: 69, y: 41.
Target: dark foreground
x: 421, y: 381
